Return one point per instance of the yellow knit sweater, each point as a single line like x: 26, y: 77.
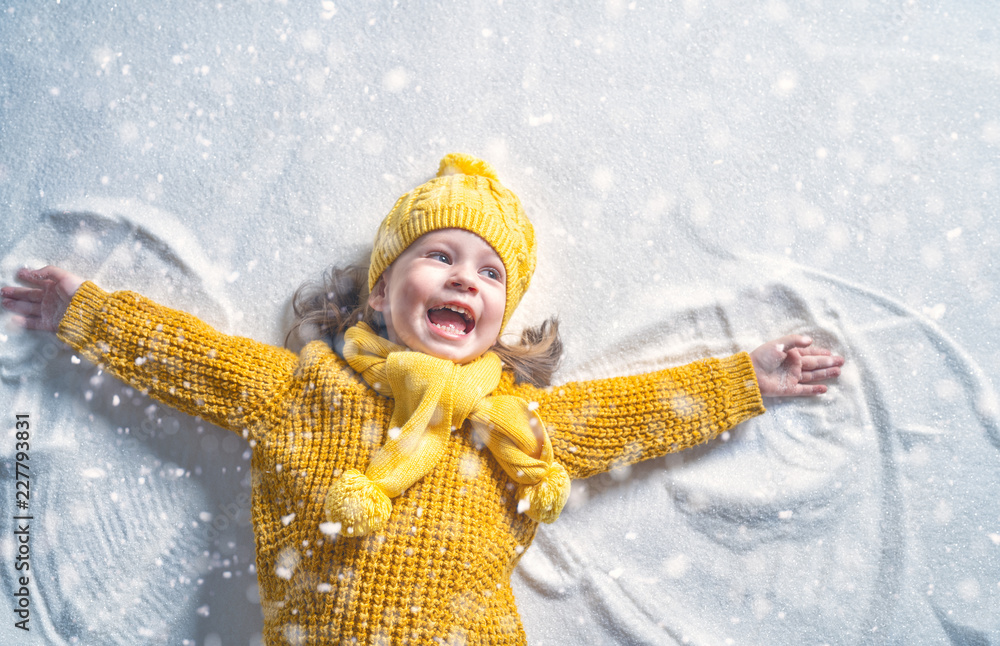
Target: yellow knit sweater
x: 440, y: 570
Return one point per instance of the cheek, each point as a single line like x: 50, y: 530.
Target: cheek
x: 497, y: 308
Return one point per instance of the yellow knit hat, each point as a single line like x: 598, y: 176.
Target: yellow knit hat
x: 466, y: 194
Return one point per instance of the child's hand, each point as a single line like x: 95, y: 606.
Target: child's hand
x: 42, y: 306
x: 784, y: 365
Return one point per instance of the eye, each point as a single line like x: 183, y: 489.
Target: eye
x: 491, y: 273
x: 438, y: 255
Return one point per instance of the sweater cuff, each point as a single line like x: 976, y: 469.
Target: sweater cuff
x: 81, y: 315
x: 742, y: 391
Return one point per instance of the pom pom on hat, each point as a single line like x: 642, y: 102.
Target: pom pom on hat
x: 460, y: 164
x: 358, y: 504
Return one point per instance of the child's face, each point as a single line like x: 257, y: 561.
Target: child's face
x: 440, y: 272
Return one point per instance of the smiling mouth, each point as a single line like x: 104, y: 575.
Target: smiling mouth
x: 454, y: 319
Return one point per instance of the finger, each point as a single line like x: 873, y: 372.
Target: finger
x: 818, y: 362
x: 815, y: 352
x: 795, y: 341
x: 802, y: 390
x: 23, y: 294
x: 36, y: 323
x: 19, y: 321
x: 28, y: 322
x: 47, y: 274
x: 809, y: 391
x: 820, y: 375
x: 25, y: 308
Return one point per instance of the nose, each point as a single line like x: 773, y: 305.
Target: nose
x: 464, y: 278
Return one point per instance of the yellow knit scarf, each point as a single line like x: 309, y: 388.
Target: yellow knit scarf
x: 433, y: 397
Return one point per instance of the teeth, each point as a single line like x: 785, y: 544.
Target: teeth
x: 457, y: 308
x: 449, y: 328
x: 461, y: 311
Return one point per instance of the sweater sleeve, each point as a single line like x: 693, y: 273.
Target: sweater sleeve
x: 606, y: 423
x: 177, y: 359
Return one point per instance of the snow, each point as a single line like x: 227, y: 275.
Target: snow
x: 703, y: 176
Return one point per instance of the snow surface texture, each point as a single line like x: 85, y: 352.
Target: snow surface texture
x: 703, y: 176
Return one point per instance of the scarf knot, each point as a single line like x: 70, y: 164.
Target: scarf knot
x: 432, y: 397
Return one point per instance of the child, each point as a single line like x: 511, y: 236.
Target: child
x: 400, y: 467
